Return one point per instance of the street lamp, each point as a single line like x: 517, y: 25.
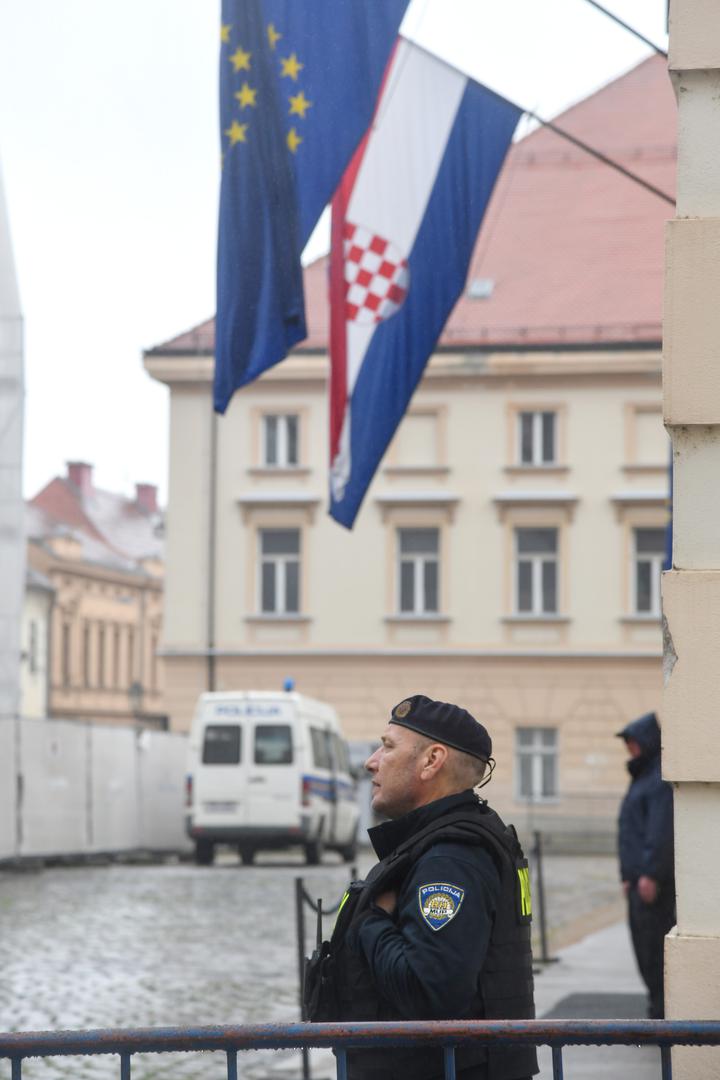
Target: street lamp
x: 136, y: 693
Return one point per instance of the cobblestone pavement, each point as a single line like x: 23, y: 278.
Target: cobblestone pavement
x: 176, y: 944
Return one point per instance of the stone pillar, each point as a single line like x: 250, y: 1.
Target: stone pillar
x: 691, y: 590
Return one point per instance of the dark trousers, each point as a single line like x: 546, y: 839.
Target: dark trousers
x: 649, y: 923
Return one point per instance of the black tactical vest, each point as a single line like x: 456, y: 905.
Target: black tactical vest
x: 339, y: 984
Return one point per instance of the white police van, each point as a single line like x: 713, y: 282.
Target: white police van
x: 269, y: 770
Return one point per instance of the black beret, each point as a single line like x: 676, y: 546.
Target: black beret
x: 445, y: 723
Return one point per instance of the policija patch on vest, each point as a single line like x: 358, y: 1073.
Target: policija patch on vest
x: 439, y: 903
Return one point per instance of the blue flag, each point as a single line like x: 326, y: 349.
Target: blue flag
x: 298, y: 84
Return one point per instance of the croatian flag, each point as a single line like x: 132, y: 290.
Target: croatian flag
x: 405, y: 219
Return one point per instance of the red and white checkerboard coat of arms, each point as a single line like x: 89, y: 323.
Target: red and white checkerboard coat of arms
x: 377, y: 277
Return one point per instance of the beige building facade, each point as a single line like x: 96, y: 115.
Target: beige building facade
x: 99, y: 559
x: 507, y: 555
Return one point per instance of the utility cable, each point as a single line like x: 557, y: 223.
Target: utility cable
x: 626, y: 26
x: 598, y: 154
x: 601, y: 157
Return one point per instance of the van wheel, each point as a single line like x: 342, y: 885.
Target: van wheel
x: 204, y: 852
x: 314, y: 851
x: 247, y: 855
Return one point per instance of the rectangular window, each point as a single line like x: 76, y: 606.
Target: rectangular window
x: 537, y: 438
x: 221, y: 745
x: 648, y: 559
x: 279, y: 571
x: 86, y: 654
x: 130, y: 656
x: 536, y: 571
x: 101, y: 657
x: 153, y: 662
x: 273, y: 744
x: 418, y: 571
x: 65, y: 654
x: 320, y: 749
x: 32, y: 647
x: 116, y: 657
x: 342, y: 758
x: 281, y: 440
x: 536, y: 760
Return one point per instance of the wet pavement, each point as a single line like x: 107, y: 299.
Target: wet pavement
x: 180, y: 945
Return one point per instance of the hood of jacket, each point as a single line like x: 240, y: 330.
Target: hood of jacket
x: 646, y: 733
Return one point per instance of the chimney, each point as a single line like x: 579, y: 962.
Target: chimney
x: 146, y: 498
x: 79, y: 473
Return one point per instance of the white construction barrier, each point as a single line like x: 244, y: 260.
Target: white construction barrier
x: 116, y: 795
x: 8, y: 790
x: 162, y: 768
x: 53, y: 805
x: 73, y: 789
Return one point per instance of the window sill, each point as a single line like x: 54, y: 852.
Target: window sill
x: 536, y: 470
x: 534, y: 619
x: 279, y: 470
x: 535, y: 498
x: 283, y: 618
x: 660, y: 469
x: 416, y: 470
x: 430, y: 617
x: 644, y: 619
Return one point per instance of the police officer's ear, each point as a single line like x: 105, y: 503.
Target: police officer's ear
x: 433, y: 759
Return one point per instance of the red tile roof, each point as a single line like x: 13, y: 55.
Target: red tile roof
x: 573, y: 249
x: 114, y: 521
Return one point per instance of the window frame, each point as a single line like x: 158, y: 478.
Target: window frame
x: 537, y: 561
x: 282, y: 421
x: 236, y: 728
x: 280, y: 563
x: 538, y: 460
x: 289, y: 745
x: 537, y: 752
x: 321, y: 748
x: 419, y: 562
x: 657, y: 561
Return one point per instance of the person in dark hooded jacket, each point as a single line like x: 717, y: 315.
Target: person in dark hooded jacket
x: 645, y: 842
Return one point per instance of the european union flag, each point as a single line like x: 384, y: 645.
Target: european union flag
x: 298, y: 85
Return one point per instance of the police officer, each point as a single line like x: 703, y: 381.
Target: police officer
x: 440, y: 929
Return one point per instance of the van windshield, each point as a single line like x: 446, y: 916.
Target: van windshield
x: 222, y: 744
x: 273, y: 744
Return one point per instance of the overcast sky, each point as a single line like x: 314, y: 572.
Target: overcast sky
x: 109, y: 149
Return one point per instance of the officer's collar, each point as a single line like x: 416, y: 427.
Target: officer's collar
x: 387, y: 836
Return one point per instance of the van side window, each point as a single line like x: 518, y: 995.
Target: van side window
x: 273, y: 744
x: 320, y: 748
x: 341, y: 754
x: 221, y: 745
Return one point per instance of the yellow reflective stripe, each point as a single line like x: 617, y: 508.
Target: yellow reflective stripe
x: 525, y: 900
x: 343, y: 902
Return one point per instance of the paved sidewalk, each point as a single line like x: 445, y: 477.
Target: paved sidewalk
x: 596, y: 979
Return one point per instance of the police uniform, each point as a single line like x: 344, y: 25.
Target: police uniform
x: 457, y: 945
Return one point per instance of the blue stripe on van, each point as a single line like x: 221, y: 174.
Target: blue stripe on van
x: 327, y: 788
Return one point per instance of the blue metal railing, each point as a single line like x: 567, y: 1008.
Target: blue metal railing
x: 17, y: 1046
